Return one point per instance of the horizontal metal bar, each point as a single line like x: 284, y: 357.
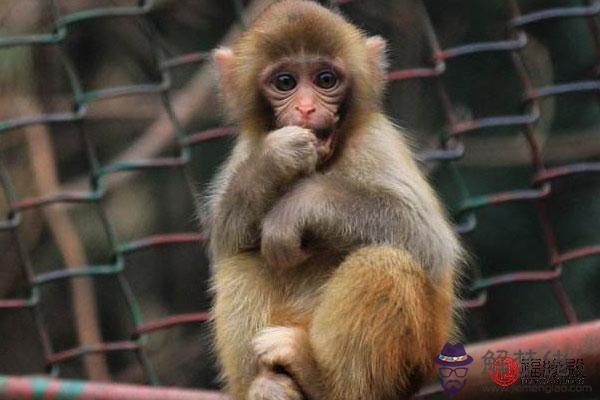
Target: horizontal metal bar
x: 446, y: 154
x: 78, y: 272
x: 581, y: 252
x: 566, y: 171
x: 518, y: 276
x: 70, y: 354
x: 494, y: 122
x: 137, y: 165
x: 185, y: 59
x: 563, y: 88
x: 31, y: 301
x: 414, y: 73
x: 21, y: 122
x: 124, y: 91
x: 62, y: 197
x: 203, y: 136
x: 29, y: 388
x: 34, y: 39
x: 483, y: 47
x: 168, y: 322
x: 476, y: 202
x: 107, y: 12
x: 159, y: 240
x: 552, y: 13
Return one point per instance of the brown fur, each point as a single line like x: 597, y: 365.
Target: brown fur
x: 331, y: 282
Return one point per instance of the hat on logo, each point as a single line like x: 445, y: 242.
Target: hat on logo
x: 453, y: 355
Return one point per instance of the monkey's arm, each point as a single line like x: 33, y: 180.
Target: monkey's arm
x: 341, y: 216
x: 248, y: 188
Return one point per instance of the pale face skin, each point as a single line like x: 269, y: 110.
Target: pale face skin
x: 307, y: 91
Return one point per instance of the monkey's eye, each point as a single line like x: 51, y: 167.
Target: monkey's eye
x: 284, y: 82
x: 326, y: 80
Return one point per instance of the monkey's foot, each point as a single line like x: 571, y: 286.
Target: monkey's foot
x: 280, y: 348
x: 272, y: 386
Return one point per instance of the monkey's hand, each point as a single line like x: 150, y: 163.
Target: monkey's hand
x: 280, y: 347
x: 292, y: 150
x: 281, y: 239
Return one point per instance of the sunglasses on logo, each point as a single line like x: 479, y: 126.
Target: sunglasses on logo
x: 447, y: 372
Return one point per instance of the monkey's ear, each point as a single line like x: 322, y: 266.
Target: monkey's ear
x: 225, y: 59
x: 376, y: 47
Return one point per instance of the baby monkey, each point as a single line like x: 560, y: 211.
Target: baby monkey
x: 334, y: 265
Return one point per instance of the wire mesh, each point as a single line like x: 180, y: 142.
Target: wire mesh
x: 451, y: 149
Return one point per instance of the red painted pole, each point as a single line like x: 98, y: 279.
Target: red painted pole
x: 28, y: 388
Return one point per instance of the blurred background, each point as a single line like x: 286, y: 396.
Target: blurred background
x: 110, y: 126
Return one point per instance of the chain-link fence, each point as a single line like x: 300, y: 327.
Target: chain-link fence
x: 506, y: 91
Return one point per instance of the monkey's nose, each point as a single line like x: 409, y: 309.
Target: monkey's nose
x: 306, y: 110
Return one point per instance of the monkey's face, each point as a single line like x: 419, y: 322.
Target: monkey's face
x: 307, y: 91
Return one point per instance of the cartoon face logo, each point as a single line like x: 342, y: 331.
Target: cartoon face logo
x: 452, y: 369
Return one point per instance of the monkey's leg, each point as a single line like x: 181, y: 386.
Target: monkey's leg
x: 244, y: 297
x: 379, y: 325
x: 240, y: 309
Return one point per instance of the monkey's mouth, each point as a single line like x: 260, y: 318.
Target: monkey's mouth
x: 325, y: 142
